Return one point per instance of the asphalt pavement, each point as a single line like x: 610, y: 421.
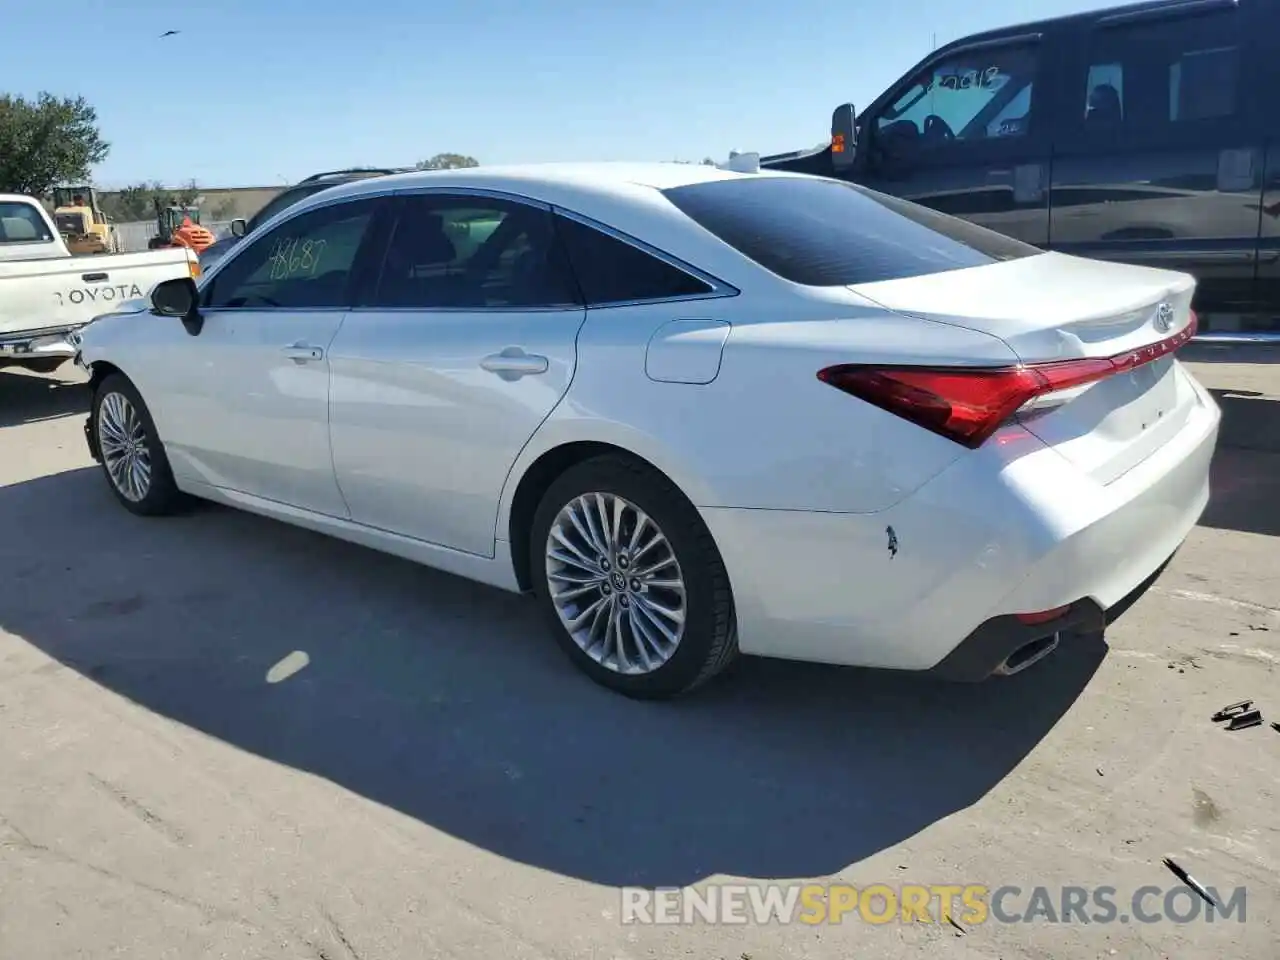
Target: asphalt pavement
x: 224, y: 737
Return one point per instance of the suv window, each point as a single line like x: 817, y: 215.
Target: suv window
x: 610, y: 270
x: 975, y: 95
x: 22, y: 223
x: 305, y: 262
x: 473, y: 253
x: 1157, y: 75
x: 830, y: 233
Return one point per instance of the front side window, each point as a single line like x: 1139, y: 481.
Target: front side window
x: 22, y: 223
x: 306, y: 262
x: 1153, y: 76
x: 831, y: 233
x: 473, y: 253
x: 979, y: 95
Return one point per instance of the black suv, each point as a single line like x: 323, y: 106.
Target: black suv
x: 287, y: 198
x: 1125, y: 134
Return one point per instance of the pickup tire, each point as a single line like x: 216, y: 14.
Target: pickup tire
x: 132, y: 456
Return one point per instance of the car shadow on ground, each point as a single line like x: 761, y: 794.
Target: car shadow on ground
x: 1245, y: 492
x: 30, y: 398
x: 1250, y: 420
x: 447, y: 701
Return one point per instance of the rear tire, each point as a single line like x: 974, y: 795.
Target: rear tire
x: 133, y: 458
x: 631, y: 581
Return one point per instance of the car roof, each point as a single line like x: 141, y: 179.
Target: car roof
x: 603, y: 190
x: 591, y: 176
x: 623, y: 197
x: 1043, y: 25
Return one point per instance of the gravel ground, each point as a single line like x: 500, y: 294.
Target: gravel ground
x: 223, y: 737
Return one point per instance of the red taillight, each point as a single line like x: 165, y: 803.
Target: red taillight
x: 1041, y: 616
x: 967, y: 405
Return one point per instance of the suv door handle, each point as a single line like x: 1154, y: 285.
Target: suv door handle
x: 303, y: 353
x: 513, y: 363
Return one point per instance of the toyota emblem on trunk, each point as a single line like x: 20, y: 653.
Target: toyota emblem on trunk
x: 1164, y: 318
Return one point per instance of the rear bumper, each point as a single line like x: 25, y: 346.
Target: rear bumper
x: 930, y: 584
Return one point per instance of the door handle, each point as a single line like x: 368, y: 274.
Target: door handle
x: 303, y: 353
x: 93, y: 277
x: 513, y: 363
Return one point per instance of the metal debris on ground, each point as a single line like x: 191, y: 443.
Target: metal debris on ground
x: 1246, y: 720
x: 1235, y: 710
x: 1189, y: 880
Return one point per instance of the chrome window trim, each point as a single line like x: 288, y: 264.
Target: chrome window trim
x: 719, y: 288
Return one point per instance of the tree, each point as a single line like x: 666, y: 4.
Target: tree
x: 138, y: 202
x: 47, y: 141
x: 447, y: 161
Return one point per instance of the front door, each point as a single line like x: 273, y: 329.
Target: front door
x: 448, y: 365
x: 968, y: 134
x: 249, y: 394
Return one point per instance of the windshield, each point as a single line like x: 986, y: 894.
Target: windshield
x: 830, y: 233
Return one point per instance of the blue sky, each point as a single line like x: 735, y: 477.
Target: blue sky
x: 255, y: 93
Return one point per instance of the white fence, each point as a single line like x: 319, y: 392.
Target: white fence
x: 134, y: 236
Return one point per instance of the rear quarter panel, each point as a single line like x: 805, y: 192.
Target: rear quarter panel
x: 765, y: 433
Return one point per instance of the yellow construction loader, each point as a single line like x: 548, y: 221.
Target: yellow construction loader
x: 84, y: 227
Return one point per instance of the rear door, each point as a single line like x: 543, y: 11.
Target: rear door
x: 1162, y: 164
x: 970, y: 134
x: 448, y: 365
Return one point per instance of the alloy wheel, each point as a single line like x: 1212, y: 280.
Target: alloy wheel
x: 616, y: 583
x: 122, y: 441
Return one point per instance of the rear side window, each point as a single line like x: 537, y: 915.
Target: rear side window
x: 1157, y: 75
x: 473, y: 253
x: 826, y: 233
x: 610, y: 270
x: 22, y: 223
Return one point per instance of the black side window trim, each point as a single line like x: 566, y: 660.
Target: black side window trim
x: 719, y: 288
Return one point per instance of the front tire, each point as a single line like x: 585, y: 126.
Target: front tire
x: 631, y: 581
x: 133, y: 458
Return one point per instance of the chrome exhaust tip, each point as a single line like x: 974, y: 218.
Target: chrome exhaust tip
x: 1027, y: 655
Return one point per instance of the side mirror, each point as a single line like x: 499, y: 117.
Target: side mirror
x: 178, y: 298
x: 239, y: 227
x: 844, y: 137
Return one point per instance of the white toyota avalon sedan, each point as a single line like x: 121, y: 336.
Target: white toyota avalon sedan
x: 694, y: 412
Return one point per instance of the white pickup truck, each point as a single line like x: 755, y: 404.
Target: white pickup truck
x: 46, y: 294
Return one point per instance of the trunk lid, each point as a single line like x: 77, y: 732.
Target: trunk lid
x: 1053, y: 308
